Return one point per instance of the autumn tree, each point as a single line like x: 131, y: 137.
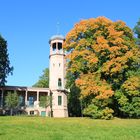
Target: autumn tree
x: 101, y: 54
x: 43, y: 80
x: 5, y: 68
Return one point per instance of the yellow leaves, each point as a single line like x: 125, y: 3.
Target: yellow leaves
x: 101, y: 40
x: 71, y: 36
x: 120, y: 23
x: 132, y: 86
x: 93, y: 60
x: 113, y: 32
x: 117, y: 41
x: 81, y: 26
x: 85, y: 25
x: 116, y: 69
x: 111, y: 67
x: 100, y: 48
x: 118, y: 60
x: 105, y: 94
x: 79, y: 82
x: 90, y: 84
x: 82, y: 43
x: 103, y: 20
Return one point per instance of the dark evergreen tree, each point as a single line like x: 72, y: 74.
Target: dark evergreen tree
x: 5, y: 68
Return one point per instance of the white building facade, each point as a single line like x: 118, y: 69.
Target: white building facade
x: 30, y: 96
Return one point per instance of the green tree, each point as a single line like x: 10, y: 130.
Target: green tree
x: 46, y: 101
x: 137, y: 32
x: 74, y: 103
x: 101, y: 53
x: 129, y: 96
x: 43, y: 80
x: 12, y: 101
x: 5, y: 68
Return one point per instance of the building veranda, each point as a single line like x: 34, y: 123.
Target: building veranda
x: 29, y: 98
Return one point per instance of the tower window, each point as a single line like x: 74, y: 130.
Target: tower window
x: 59, y: 64
x: 54, y: 46
x: 59, y: 100
x: 59, y: 46
x: 59, y: 82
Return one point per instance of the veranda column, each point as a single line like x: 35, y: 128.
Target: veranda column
x: 49, y: 93
x: 37, y: 98
x: 26, y: 94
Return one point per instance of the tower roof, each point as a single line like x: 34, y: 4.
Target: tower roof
x: 54, y: 37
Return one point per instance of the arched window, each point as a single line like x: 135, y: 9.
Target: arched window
x: 54, y: 46
x: 59, y: 46
x: 59, y: 82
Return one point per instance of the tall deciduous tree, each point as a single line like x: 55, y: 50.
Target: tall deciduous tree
x: 5, y: 68
x: 137, y: 32
x: 43, y: 80
x: 101, y: 53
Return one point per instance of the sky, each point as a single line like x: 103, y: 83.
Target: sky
x: 27, y: 25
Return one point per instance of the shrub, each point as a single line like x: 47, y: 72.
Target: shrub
x: 95, y: 112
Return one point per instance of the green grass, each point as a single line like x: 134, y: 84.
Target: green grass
x: 41, y: 128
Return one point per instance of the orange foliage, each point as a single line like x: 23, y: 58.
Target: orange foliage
x: 89, y: 84
x: 95, y: 46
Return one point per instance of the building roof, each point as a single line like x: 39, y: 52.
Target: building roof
x: 54, y: 37
x: 23, y: 88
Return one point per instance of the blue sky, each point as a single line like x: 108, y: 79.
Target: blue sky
x: 27, y: 25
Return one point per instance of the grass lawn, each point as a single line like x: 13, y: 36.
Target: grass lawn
x: 41, y: 128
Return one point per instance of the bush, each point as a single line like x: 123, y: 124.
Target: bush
x: 107, y: 113
x: 132, y: 109
x: 95, y: 112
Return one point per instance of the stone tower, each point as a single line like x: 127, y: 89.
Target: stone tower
x: 57, y: 77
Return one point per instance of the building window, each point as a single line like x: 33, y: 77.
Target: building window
x: 21, y: 100
x: 54, y: 46
x: 59, y: 64
x: 31, y: 112
x: 59, y: 100
x: 31, y: 101
x: 59, y: 82
x: 59, y: 46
